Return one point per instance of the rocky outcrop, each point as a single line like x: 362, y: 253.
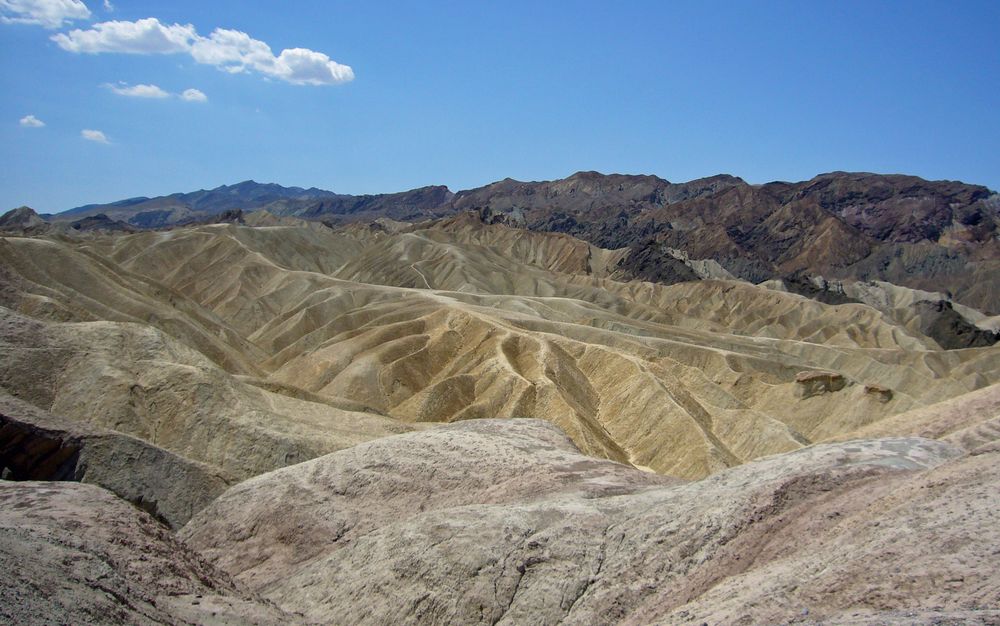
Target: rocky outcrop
x: 230, y: 216
x: 75, y: 554
x: 815, y: 383
x: 651, y: 261
x: 878, y: 392
x: 38, y: 446
x: 941, y: 322
x: 503, y: 522
x: 103, y: 223
x: 23, y: 221
x: 816, y: 288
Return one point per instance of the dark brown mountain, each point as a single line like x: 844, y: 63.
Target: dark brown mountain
x: 410, y: 205
x: 933, y: 235
x: 23, y: 220
x: 102, y: 222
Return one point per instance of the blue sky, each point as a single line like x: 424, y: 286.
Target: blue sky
x: 387, y: 96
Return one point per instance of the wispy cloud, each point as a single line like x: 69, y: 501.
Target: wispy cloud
x: 229, y: 50
x: 155, y: 92
x: 94, y: 135
x: 108, y: 6
x: 193, y: 95
x: 138, y: 91
x: 30, y: 121
x: 46, y: 13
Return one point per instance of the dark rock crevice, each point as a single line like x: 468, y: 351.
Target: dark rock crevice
x: 38, y: 446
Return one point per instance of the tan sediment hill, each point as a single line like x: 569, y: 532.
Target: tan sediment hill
x: 971, y: 420
x: 136, y: 380
x: 504, y: 522
x: 254, y: 347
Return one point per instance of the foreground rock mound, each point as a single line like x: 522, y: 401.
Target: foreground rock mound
x: 35, y: 445
x: 75, y: 554
x: 504, y: 522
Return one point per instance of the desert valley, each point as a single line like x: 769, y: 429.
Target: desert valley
x: 600, y: 399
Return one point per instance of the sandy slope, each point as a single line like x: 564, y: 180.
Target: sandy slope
x: 254, y: 347
x: 135, y: 379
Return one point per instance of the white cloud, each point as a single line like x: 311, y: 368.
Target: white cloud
x: 30, y: 121
x: 108, y: 6
x: 138, y: 91
x: 94, y: 135
x: 155, y: 92
x: 194, y: 95
x: 147, y: 36
x: 47, y: 13
x: 307, y: 67
x: 235, y: 51
x: 230, y: 50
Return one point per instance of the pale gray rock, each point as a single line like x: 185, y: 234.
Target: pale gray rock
x: 503, y: 522
x: 75, y: 554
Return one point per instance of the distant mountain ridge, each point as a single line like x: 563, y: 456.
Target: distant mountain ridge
x: 249, y: 195
x: 931, y: 235
x: 885, y: 207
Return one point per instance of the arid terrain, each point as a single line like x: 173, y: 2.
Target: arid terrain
x: 606, y: 399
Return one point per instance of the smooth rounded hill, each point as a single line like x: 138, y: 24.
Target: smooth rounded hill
x: 76, y: 554
x: 504, y: 522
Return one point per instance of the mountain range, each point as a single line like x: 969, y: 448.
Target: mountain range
x: 184, y: 208
x: 939, y: 236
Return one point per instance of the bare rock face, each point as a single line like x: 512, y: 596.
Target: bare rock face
x: 878, y: 392
x: 36, y: 445
x: 940, y: 321
x: 75, y: 554
x: 816, y: 383
x: 864, y: 226
x: 101, y: 222
x: 469, y: 463
x: 502, y: 522
x: 23, y: 220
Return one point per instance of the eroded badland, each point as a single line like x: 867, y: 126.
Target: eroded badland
x: 786, y: 414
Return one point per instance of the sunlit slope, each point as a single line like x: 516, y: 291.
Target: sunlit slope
x: 137, y: 380
x: 500, y: 521
x: 458, y: 319
x: 64, y: 281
